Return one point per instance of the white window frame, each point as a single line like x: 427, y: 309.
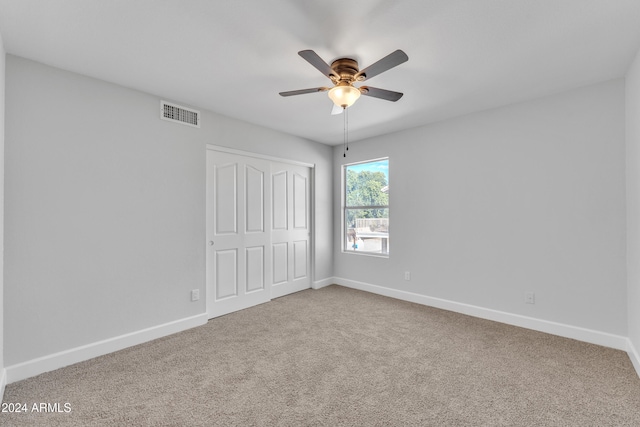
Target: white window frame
x: 345, y: 208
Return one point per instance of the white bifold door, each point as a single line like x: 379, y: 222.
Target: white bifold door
x: 258, y: 229
x: 290, y: 230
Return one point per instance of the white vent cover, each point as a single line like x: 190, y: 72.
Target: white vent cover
x: 179, y: 114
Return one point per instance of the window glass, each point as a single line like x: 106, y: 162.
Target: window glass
x: 366, y: 207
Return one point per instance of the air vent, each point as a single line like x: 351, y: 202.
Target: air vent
x: 179, y: 114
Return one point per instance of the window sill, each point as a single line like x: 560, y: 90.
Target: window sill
x: 371, y: 254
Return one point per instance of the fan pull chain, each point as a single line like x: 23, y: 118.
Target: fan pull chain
x: 344, y: 132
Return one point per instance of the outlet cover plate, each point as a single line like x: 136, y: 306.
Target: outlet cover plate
x: 530, y: 297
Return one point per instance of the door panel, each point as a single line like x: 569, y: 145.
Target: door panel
x: 226, y: 268
x: 254, y: 206
x: 279, y: 204
x: 300, y: 203
x: 255, y: 268
x: 226, y: 190
x: 300, y: 259
x: 280, y: 263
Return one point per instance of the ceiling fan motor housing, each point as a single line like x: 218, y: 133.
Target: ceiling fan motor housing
x: 346, y: 69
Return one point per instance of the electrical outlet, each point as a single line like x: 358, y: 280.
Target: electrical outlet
x: 407, y: 275
x: 195, y: 295
x: 529, y: 297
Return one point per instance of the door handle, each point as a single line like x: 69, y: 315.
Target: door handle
x: 210, y: 242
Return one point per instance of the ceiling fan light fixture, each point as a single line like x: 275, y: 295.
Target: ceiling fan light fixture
x: 344, y: 95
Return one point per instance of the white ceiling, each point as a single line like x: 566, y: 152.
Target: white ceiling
x: 234, y: 56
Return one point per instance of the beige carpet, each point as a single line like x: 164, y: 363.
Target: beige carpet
x: 340, y: 357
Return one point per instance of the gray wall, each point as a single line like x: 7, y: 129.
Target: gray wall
x: 528, y: 197
x: 105, y: 208
x: 633, y: 202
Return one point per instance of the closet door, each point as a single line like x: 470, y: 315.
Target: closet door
x: 290, y: 228
x: 238, y: 232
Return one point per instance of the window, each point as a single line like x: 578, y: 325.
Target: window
x: 366, y: 207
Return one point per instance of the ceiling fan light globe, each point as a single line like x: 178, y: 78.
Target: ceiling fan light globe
x: 344, y: 96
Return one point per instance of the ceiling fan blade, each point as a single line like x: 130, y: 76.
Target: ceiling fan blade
x: 312, y: 58
x: 303, y: 91
x: 393, y: 59
x: 387, y: 95
x: 336, y: 110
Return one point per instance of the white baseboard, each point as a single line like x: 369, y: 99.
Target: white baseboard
x: 54, y: 361
x: 634, y: 356
x: 3, y: 383
x: 581, y: 334
x: 324, y: 282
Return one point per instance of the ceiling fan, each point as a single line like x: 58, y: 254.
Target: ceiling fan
x: 344, y: 72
